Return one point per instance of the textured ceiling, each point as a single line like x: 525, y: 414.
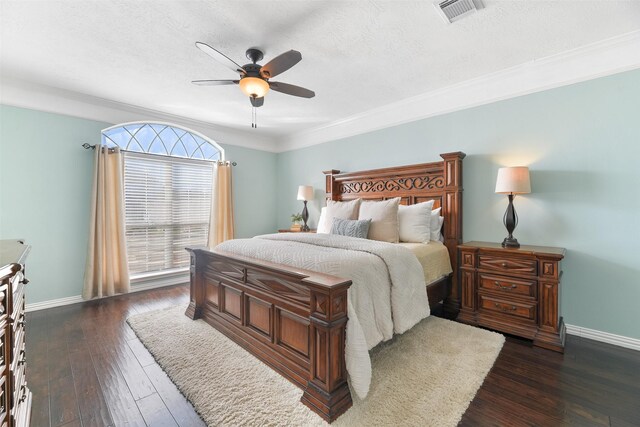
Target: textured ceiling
x: 357, y: 55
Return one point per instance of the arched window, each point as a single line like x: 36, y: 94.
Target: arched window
x: 168, y: 173
x: 162, y: 138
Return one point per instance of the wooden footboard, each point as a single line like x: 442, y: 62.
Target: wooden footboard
x: 293, y: 320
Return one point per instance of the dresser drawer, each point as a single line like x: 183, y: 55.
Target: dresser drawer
x: 19, y: 385
x: 22, y: 409
x: 523, y: 310
x: 18, y: 337
x: 508, y: 285
x: 17, y: 313
x: 19, y: 358
x: 505, y: 265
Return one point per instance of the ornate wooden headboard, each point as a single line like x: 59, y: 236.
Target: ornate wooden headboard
x: 439, y: 181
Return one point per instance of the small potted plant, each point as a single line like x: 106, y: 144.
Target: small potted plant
x: 296, y: 219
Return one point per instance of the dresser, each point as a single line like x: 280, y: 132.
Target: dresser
x: 15, y: 397
x: 513, y: 290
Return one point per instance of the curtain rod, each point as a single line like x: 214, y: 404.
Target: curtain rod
x: 89, y: 146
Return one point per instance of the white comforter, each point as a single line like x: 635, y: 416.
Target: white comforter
x: 388, y: 294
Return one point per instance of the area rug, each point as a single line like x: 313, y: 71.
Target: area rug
x: 424, y: 377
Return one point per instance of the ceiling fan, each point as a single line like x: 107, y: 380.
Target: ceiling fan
x: 254, y: 78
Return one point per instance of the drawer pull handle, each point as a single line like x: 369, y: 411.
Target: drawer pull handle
x: 505, y: 288
x: 504, y: 265
x: 503, y: 308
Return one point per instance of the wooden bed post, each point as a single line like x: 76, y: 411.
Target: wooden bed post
x: 452, y: 206
x: 330, y: 184
x: 196, y: 289
x: 327, y: 392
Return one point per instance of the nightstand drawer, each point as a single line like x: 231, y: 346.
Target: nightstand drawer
x: 508, y: 265
x: 508, y: 285
x: 523, y: 310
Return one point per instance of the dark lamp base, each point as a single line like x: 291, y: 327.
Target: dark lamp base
x: 510, y: 242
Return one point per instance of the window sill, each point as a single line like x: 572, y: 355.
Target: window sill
x: 161, y: 278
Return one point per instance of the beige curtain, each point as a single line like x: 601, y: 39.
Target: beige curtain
x: 106, y: 271
x: 221, y: 217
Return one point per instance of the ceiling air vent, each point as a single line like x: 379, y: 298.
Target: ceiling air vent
x: 452, y: 10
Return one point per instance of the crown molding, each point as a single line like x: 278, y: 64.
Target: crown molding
x: 603, y: 58
x: 20, y: 93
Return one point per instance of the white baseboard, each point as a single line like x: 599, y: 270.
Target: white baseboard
x: 609, y: 338
x: 35, y: 306
x: 135, y: 287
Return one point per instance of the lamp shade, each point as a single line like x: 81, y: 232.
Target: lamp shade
x: 305, y: 192
x: 254, y: 86
x: 514, y: 180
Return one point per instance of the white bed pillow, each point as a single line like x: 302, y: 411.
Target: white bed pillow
x: 384, y: 219
x: 322, y: 221
x: 415, y: 222
x: 436, y: 225
x: 341, y: 210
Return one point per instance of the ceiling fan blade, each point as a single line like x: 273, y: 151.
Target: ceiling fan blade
x: 292, y: 89
x: 280, y: 64
x: 214, y: 82
x: 257, y: 102
x: 220, y: 57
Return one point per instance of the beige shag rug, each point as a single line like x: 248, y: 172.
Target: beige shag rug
x: 425, y: 377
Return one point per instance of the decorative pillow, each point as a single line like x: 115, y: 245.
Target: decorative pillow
x: 351, y: 227
x: 384, y: 219
x: 322, y: 220
x: 415, y: 222
x: 342, y: 210
x: 436, y: 225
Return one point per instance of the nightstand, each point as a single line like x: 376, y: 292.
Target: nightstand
x: 286, y: 230
x: 516, y: 291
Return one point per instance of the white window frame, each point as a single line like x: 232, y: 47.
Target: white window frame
x: 198, y: 134
x: 171, y: 276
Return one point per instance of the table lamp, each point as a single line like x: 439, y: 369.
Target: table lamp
x: 512, y: 181
x: 305, y: 193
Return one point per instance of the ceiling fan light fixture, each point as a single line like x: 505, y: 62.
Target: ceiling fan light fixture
x: 254, y: 86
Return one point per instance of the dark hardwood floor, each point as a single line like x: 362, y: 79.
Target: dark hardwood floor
x: 87, y: 368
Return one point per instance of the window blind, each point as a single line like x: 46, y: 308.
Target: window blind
x: 167, y: 204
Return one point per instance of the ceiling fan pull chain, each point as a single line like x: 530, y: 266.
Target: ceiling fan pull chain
x: 253, y: 117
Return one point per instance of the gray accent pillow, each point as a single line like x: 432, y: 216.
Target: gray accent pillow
x: 351, y: 227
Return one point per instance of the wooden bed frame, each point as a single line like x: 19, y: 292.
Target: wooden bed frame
x: 294, y: 320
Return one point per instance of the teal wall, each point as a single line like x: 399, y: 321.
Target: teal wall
x: 581, y: 142
x: 45, y: 180
x: 582, y: 145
